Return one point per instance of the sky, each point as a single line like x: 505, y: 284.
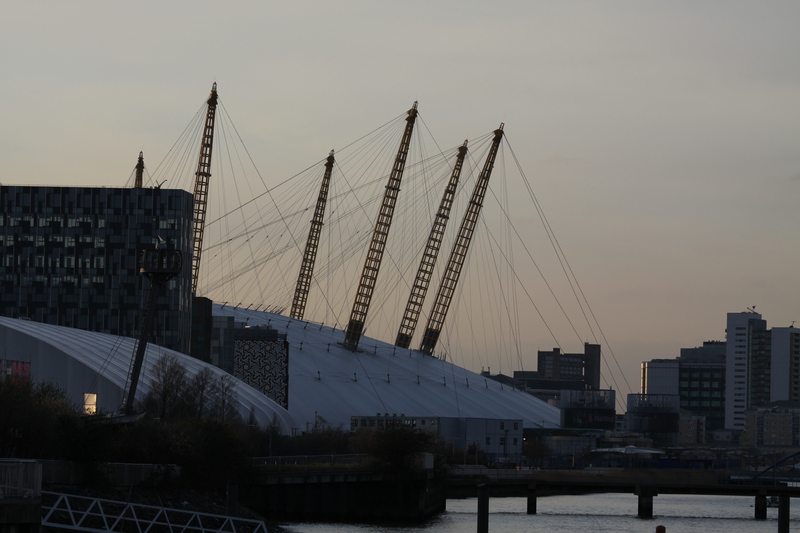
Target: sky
x: 662, y: 138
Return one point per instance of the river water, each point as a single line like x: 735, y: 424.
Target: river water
x: 590, y: 513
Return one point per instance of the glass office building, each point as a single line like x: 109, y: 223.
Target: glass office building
x: 69, y: 256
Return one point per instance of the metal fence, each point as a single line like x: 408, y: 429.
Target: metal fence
x: 80, y: 513
x: 316, y: 463
x: 20, y: 478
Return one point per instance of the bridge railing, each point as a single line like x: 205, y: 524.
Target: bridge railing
x: 20, y: 478
x: 94, y: 515
x: 316, y: 463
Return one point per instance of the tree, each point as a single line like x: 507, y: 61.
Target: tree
x: 167, y: 387
x: 34, y: 420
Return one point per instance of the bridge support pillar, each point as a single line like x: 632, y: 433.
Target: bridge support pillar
x: 783, y: 514
x: 761, y: 507
x: 483, y: 508
x: 645, y: 496
x: 532, y: 498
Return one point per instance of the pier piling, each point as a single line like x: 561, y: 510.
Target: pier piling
x: 783, y: 514
x: 532, y: 498
x: 761, y: 507
x: 483, y: 508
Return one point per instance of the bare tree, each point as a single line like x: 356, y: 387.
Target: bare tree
x: 167, y: 387
x: 200, y: 393
x: 226, y: 398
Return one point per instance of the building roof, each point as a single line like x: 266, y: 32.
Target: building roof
x: 87, y: 362
x: 328, y: 383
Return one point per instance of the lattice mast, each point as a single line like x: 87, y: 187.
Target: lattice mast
x: 379, y: 235
x: 202, y: 177
x: 425, y: 271
x: 137, y: 184
x: 312, y: 244
x: 458, y: 255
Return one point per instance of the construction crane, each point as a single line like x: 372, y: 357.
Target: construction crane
x: 421, y: 283
x: 458, y: 255
x: 372, y: 265
x: 202, y: 177
x: 159, y: 265
x: 312, y: 244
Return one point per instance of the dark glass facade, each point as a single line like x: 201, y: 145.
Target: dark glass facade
x: 69, y: 256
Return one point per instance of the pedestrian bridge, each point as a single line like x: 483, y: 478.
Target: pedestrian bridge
x: 95, y: 515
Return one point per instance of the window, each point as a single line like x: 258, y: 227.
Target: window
x: 89, y: 403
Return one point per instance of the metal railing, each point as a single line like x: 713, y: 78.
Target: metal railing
x: 20, y: 478
x: 80, y: 513
x: 316, y: 463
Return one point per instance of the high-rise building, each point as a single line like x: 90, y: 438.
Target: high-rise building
x: 747, y: 368
x: 763, y: 366
x: 69, y: 256
x: 785, y: 365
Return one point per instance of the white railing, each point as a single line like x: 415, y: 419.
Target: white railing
x: 66, y: 511
x: 20, y: 478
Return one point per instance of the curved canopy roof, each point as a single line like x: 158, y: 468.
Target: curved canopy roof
x: 328, y: 383
x: 78, y: 360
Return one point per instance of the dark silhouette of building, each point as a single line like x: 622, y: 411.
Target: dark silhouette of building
x: 583, y: 367
x: 69, y: 256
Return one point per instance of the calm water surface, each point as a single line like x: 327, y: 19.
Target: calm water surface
x: 591, y: 513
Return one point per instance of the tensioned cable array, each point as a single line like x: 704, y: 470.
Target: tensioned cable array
x: 507, y: 304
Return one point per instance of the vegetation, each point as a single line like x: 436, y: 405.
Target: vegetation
x: 189, y: 422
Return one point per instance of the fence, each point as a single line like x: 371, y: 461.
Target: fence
x: 20, y: 478
x: 316, y: 463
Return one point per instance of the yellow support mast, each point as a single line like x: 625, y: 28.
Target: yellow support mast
x: 372, y: 265
x: 202, y: 177
x: 312, y: 244
x: 425, y: 272
x: 458, y: 255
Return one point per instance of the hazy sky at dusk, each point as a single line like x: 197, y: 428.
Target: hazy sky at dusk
x: 662, y: 138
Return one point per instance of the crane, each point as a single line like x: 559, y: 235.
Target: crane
x: 458, y: 254
x: 159, y: 265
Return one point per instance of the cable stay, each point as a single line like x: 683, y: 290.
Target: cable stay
x: 252, y: 253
